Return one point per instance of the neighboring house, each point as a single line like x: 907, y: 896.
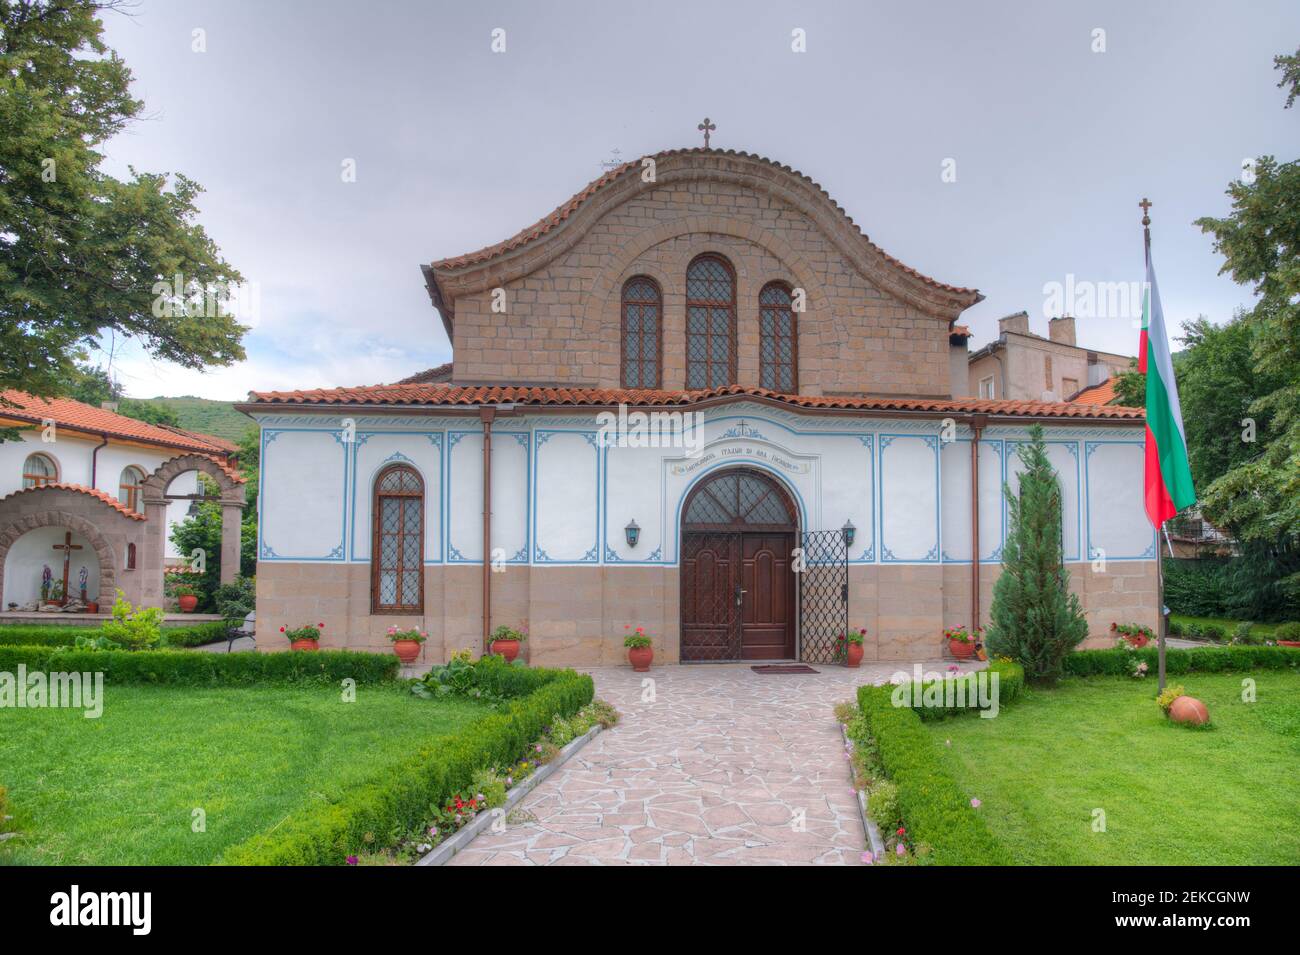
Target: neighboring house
x: 1102, y: 394
x: 701, y: 402
x: 1189, y: 534
x: 77, y: 478
x: 1020, y: 365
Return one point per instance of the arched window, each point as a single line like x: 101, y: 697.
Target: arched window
x: 710, y: 323
x: 397, y: 556
x: 777, y: 342
x: 642, y: 311
x: 39, y: 470
x: 128, y: 491
x: 130, y: 557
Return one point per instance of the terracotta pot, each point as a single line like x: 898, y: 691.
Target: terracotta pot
x: 188, y: 602
x: 1188, y: 709
x: 640, y: 658
x: 92, y: 607
x: 1139, y: 641
x: 1288, y: 643
x: 406, y: 650
x: 962, y: 651
x: 853, y: 655
x: 507, y: 648
x: 305, y: 645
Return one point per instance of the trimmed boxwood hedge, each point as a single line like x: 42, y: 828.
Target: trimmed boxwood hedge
x: 936, y: 810
x: 1120, y: 662
x: 409, y: 793
x: 1011, y: 683
x: 55, y: 635
x: 182, y: 668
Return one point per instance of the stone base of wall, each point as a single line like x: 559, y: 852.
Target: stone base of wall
x: 577, y: 616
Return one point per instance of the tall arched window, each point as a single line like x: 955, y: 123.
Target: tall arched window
x: 710, y: 322
x: 128, y: 491
x: 642, y: 311
x: 39, y: 470
x: 777, y: 341
x: 397, y: 555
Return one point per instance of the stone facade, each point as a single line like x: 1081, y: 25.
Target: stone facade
x: 1028, y: 367
x: 870, y: 324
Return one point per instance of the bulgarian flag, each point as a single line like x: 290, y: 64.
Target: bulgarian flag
x: 1167, y: 487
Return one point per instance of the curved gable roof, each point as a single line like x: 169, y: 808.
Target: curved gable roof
x: 445, y: 277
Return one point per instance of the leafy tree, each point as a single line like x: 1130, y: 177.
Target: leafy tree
x: 1035, y: 619
x: 1131, y: 387
x: 81, y: 252
x: 1290, y: 81
x: 203, y: 530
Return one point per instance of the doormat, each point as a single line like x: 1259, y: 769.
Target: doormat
x: 784, y: 668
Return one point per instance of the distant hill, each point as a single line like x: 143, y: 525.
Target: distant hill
x: 204, y: 414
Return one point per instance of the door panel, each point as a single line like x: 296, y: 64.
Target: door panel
x: 767, y: 618
x: 709, y: 577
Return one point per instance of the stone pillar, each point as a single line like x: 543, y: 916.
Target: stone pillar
x: 149, y: 564
x: 232, y: 515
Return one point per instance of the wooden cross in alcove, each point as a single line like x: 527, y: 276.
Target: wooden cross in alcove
x: 67, y: 547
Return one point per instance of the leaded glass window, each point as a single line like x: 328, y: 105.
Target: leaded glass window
x: 737, y: 499
x: 710, y: 323
x: 777, y: 364
x: 642, y: 315
x: 397, y: 562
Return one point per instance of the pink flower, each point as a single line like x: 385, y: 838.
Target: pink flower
x: 352, y: 860
x: 868, y: 858
x: 975, y: 804
x: 900, y: 850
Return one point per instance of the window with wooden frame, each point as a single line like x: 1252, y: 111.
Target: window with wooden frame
x: 39, y: 470
x: 129, y: 485
x: 710, y: 322
x: 778, y: 349
x: 397, y: 554
x: 642, y: 308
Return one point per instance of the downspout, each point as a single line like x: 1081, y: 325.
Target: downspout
x: 487, y: 415
x: 1002, y: 374
x: 94, y: 459
x: 977, y: 425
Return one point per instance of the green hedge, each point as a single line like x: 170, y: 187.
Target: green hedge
x: 1011, y: 683
x: 55, y: 635
x: 181, y: 668
x: 934, y: 807
x: 1178, y: 661
x: 409, y: 793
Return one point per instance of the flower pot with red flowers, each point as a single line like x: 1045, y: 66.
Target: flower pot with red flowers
x: 1132, y: 635
x: 187, y: 598
x: 640, y: 653
x: 406, y: 643
x: 305, y: 637
x: 506, y: 641
x: 849, y: 649
x: 961, y: 644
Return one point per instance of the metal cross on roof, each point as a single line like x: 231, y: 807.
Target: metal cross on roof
x: 706, y: 127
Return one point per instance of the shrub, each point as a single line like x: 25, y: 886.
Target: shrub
x: 1227, y: 659
x: 882, y: 804
x: 66, y: 635
x: 133, y: 628
x: 1035, y: 619
x: 236, y: 600
x: 952, y: 689
x: 1216, y: 633
x: 414, y: 790
x: 1244, y: 634
x: 1166, y: 699
x: 178, y: 668
x: 1175, y: 628
x: 936, y: 810
x: 1287, y: 631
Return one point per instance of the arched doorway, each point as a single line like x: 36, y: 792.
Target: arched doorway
x: 737, y: 583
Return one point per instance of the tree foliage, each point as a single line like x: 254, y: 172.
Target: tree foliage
x: 83, y: 253
x: 1035, y: 619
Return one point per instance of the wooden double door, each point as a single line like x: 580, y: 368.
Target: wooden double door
x: 737, y: 579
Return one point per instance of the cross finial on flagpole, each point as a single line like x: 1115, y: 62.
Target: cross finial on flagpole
x: 1146, y: 205
x: 706, y: 127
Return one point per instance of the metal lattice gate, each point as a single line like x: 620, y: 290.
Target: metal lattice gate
x: 823, y: 595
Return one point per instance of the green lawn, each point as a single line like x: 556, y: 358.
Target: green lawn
x: 1228, y: 795
x: 1264, y: 630
x: 121, y: 789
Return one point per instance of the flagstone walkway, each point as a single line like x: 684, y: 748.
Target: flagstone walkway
x: 709, y: 765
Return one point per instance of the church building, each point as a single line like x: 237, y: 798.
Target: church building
x: 695, y: 398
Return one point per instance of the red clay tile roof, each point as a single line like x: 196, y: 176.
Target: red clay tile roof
x: 566, y: 209
x: 960, y: 331
x: 1102, y: 394
x: 437, y: 373
x: 67, y: 413
x: 94, y: 492
x: 473, y: 395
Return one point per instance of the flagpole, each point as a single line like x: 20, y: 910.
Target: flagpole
x: 1145, y: 205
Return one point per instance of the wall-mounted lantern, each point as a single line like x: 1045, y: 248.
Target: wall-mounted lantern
x: 849, y: 532
x: 633, y: 533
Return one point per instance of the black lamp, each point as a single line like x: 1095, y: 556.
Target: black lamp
x: 633, y: 533
x: 848, y: 530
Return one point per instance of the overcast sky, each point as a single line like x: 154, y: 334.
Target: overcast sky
x: 457, y: 147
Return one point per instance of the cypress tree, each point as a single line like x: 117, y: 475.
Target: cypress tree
x: 1035, y: 619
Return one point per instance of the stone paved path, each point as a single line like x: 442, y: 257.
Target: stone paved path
x: 714, y: 770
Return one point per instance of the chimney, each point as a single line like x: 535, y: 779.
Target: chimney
x: 1018, y: 323
x: 1061, y: 330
